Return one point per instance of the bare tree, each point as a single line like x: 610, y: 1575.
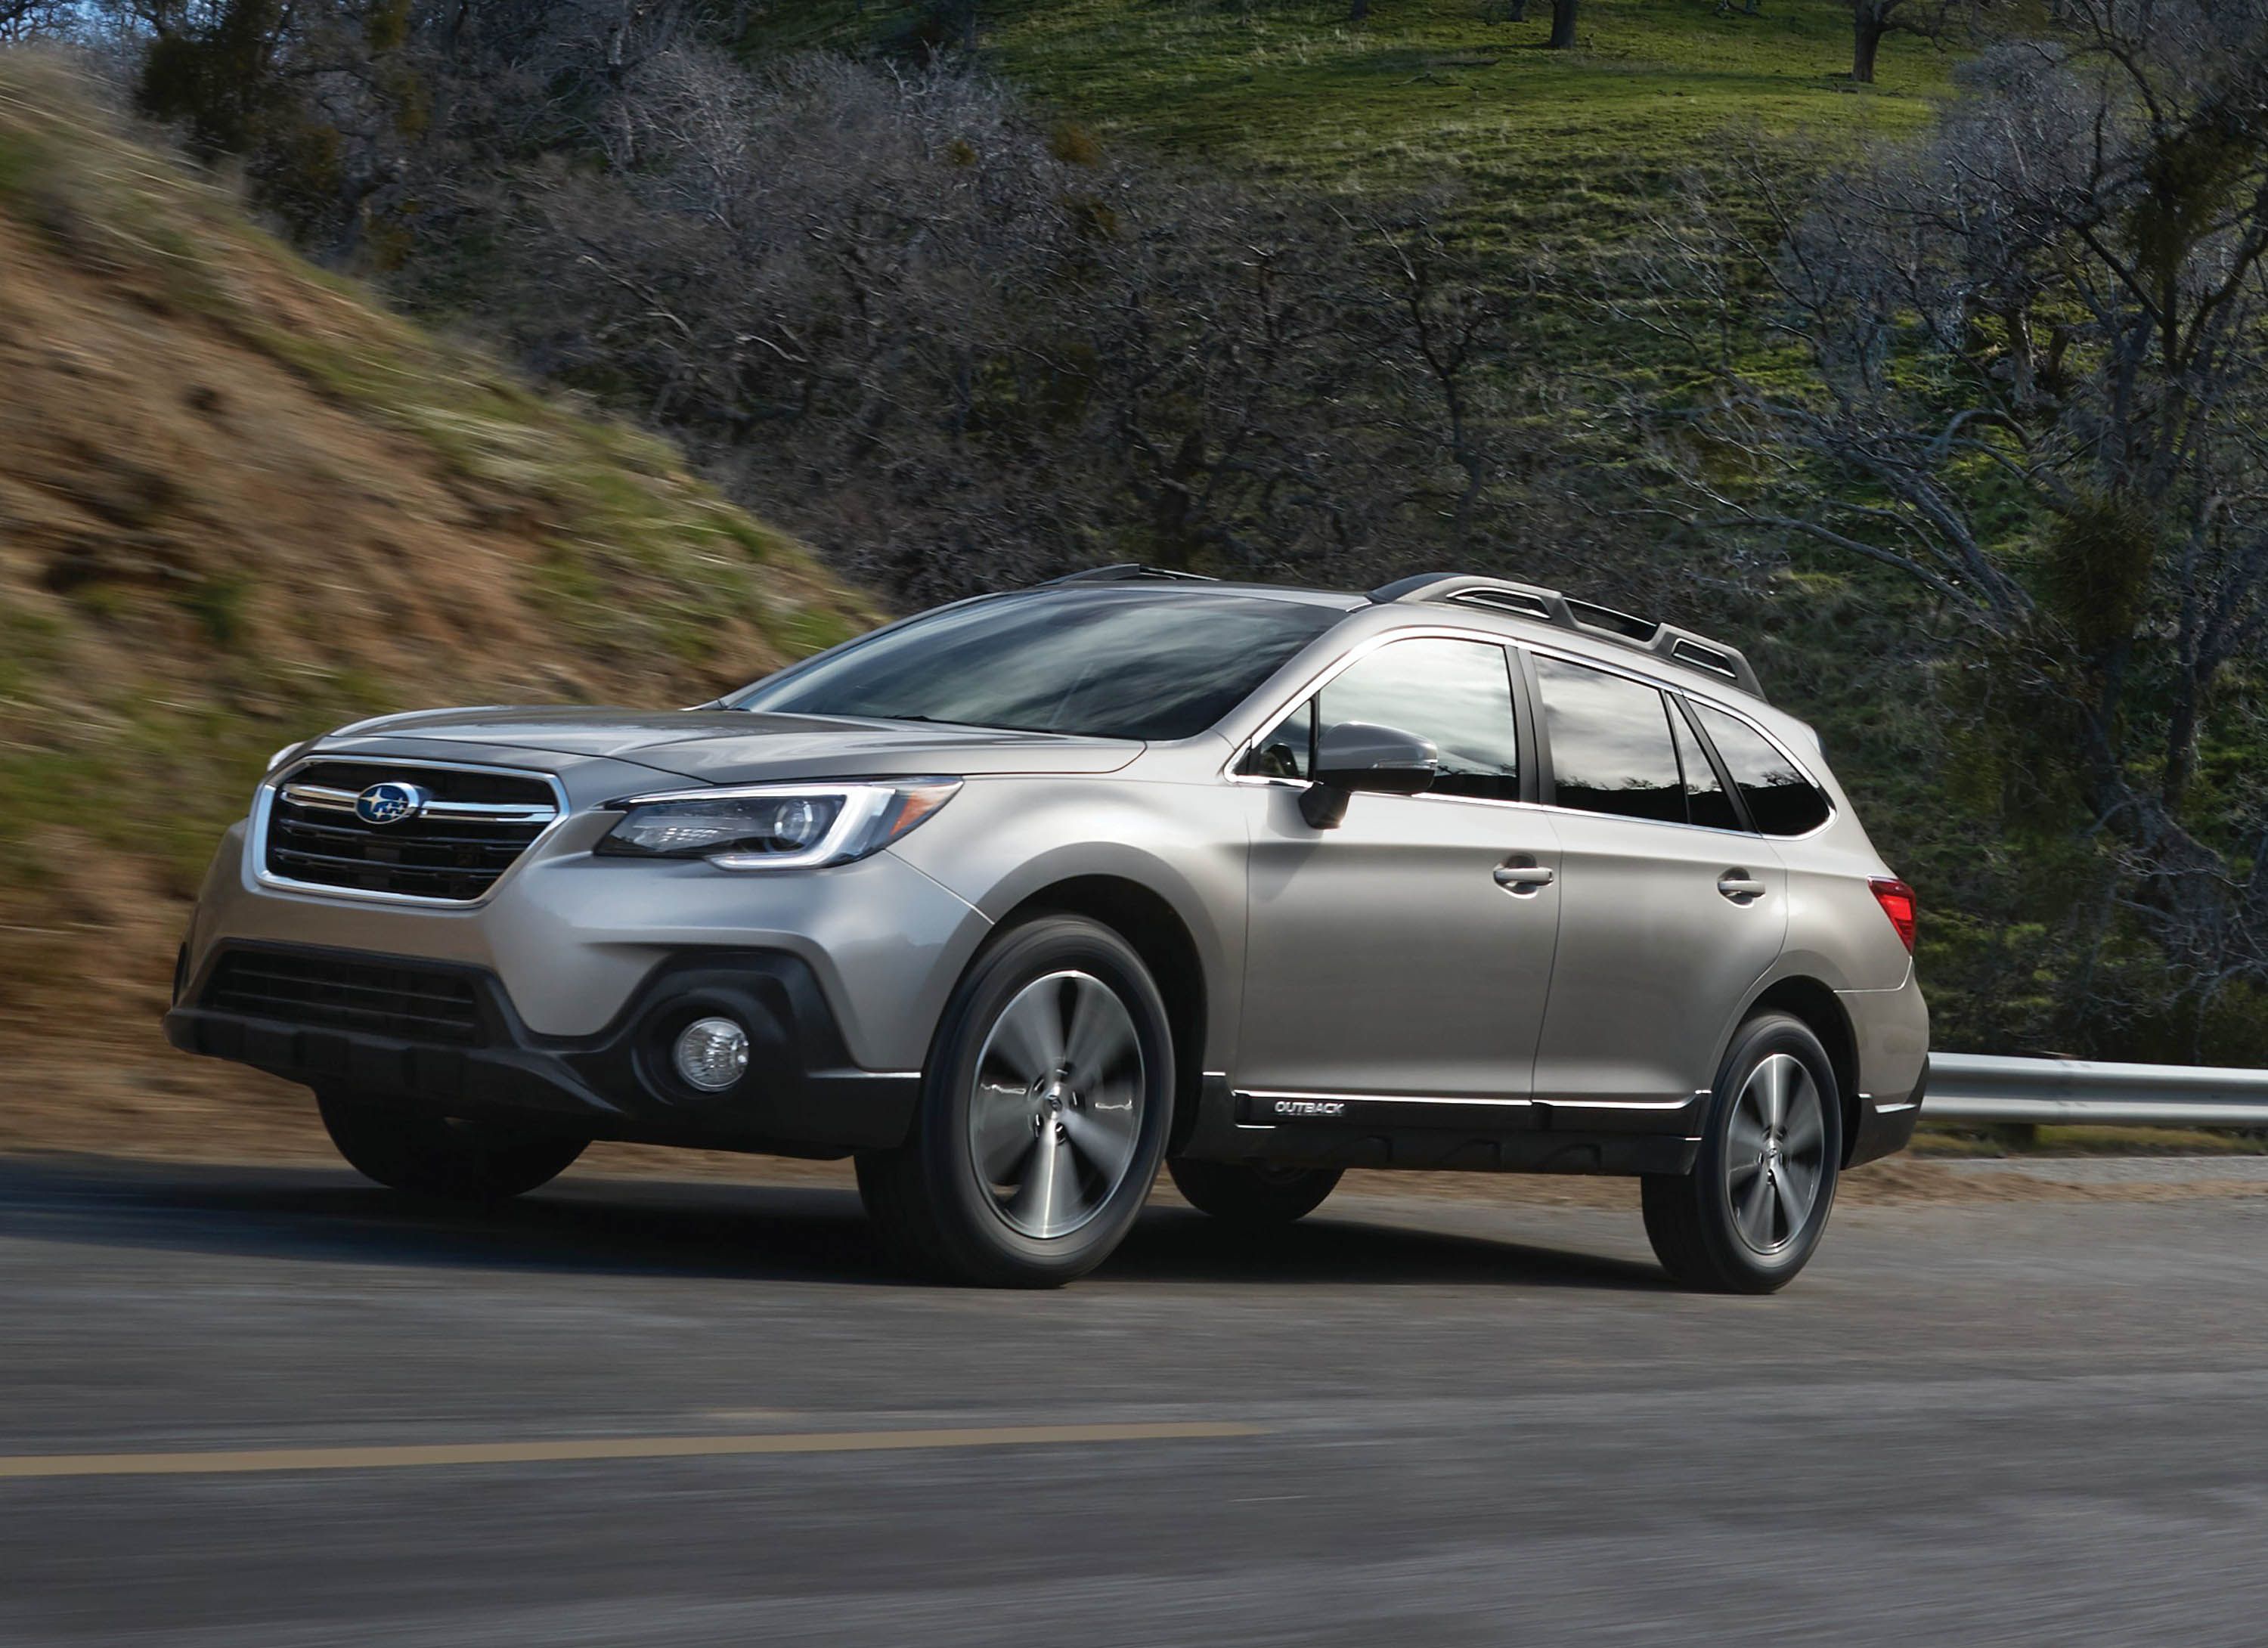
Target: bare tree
x: 1873, y: 20
x: 2036, y: 384
x: 889, y: 307
x: 23, y: 20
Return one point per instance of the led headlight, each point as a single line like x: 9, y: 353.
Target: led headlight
x: 775, y: 826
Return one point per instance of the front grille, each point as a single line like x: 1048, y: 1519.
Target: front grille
x: 377, y: 997
x: 472, y: 829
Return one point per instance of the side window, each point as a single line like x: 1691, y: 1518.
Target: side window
x: 1456, y: 693
x: 1705, y: 800
x: 1287, y: 749
x: 1781, y: 801
x: 1611, y: 745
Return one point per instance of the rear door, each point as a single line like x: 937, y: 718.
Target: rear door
x: 1408, y: 952
x: 1669, y: 912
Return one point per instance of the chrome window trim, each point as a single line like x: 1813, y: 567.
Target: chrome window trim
x: 1254, y: 780
x: 263, y: 806
x: 1322, y: 678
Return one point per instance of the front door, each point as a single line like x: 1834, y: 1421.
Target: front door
x: 1407, y: 953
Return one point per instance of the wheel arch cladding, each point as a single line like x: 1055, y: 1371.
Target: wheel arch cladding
x: 1811, y: 1002
x: 1162, y: 940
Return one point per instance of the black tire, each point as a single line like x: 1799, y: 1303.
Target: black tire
x: 941, y: 1214
x: 422, y: 1153
x: 1730, y: 1225
x: 1253, y: 1195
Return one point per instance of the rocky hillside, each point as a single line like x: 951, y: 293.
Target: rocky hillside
x: 241, y: 501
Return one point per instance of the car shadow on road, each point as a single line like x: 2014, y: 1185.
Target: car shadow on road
x: 1177, y: 1245
x: 632, y: 1227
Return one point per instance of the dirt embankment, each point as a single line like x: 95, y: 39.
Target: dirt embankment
x: 239, y: 503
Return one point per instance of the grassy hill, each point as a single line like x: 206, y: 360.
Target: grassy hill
x: 1428, y: 95
x: 239, y: 502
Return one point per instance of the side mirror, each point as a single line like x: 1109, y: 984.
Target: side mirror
x: 1360, y: 755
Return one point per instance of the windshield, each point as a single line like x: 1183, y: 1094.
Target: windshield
x: 1130, y: 665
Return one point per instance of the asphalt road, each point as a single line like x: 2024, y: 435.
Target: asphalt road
x: 1405, y: 1422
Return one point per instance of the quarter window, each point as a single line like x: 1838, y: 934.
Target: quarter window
x: 1458, y: 693
x: 1612, y: 750
x: 1780, y: 799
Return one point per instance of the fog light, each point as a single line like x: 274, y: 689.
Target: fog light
x: 712, y: 1054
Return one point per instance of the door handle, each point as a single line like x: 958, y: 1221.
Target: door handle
x: 1739, y: 887
x: 1525, y: 881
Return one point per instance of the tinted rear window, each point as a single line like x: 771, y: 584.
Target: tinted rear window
x: 1781, y: 801
x: 1120, y: 664
x: 1610, y: 743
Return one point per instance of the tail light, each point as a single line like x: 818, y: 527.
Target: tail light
x: 1897, y: 902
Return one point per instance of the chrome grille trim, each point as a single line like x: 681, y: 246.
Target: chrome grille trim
x: 278, y: 789
x: 494, y: 812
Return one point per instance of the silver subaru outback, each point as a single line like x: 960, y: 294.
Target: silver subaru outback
x: 1018, y: 900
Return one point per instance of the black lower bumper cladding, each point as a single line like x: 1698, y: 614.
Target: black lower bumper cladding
x: 445, y: 1036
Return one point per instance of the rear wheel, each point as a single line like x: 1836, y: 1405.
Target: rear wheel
x: 424, y: 1154
x: 1751, y: 1214
x: 1253, y: 1193
x: 1044, y: 1111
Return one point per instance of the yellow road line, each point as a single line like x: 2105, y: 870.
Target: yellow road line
x: 22, y: 1466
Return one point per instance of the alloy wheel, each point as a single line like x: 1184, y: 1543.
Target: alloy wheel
x: 1776, y: 1152
x: 1056, y: 1112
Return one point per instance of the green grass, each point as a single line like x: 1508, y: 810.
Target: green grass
x: 1427, y: 97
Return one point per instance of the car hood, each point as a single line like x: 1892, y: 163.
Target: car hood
x: 736, y: 746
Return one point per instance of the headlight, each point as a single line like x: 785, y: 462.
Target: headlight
x: 283, y: 756
x: 778, y: 826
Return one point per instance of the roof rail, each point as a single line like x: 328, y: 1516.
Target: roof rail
x: 1126, y: 572
x: 1666, y: 642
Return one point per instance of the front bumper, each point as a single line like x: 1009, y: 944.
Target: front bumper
x: 802, y: 1094
x: 572, y: 938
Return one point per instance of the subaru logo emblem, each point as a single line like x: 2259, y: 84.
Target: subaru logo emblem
x: 390, y: 803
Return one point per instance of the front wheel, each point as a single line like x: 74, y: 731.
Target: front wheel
x: 1749, y: 1216
x: 459, y: 1159
x: 1044, y: 1111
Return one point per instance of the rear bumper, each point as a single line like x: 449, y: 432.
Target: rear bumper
x: 801, y: 1095
x: 1891, y: 1030
x: 1886, y: 1125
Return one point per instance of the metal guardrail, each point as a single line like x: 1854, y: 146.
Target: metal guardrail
x: 1972, y: 1087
